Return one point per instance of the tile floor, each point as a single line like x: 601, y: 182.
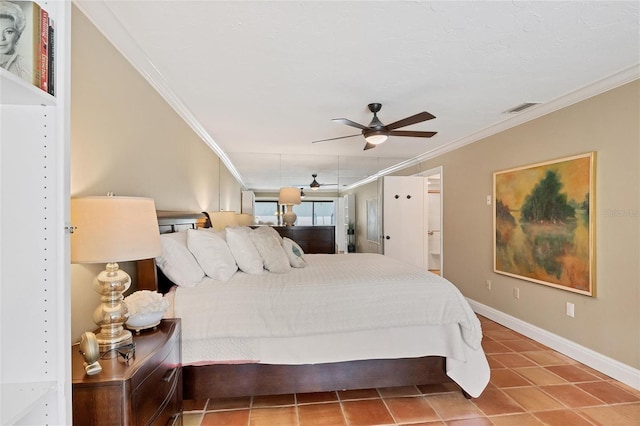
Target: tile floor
x: 530, y: 385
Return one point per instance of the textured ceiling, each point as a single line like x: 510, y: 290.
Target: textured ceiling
x: 261, y: 80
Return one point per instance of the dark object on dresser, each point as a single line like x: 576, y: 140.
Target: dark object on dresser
x: 147, y: 391
x: 312, y: 239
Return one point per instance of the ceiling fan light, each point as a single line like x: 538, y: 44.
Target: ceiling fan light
x: 314, y: 185
x: 376, y: 138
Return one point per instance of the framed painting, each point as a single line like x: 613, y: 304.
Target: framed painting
x: 544, y: 227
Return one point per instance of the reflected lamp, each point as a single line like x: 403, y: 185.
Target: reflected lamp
x: 288, y: 197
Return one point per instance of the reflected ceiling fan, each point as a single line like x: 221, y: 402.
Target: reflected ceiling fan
x: 376, y: 132
x: 314, y: 185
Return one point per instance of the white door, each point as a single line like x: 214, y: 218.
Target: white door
x: 403, y: 219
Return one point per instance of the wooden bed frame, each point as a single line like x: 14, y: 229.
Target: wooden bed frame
x: 234, y: 380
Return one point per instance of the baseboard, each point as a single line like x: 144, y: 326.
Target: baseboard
x: 609, y: 366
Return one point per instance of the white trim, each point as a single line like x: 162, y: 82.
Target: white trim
x: 609, y: 366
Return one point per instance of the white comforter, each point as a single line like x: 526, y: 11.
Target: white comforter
x: 334, y: 295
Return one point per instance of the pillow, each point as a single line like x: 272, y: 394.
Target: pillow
x: 177, y: 262
x: 271, y: 252
x: 294, y: 253
x: 269, y: 231
x: 244, y: 251
x: 212, y: 253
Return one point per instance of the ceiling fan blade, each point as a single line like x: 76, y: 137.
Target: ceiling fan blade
x: 369, y: 146
x: 418, y: 118
x: 333, y: 139
x: 350, y: 123
x: 412, y: 133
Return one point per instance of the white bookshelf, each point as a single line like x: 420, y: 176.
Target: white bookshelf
x: 34, y: 257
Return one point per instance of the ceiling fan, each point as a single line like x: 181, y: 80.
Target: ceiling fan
x: 376, y: 132
x: 315, y: 185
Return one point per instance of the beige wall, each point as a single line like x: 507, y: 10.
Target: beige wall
x: 607, y: 124
x: 126, y: 139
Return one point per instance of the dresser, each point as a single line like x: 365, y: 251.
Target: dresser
x: 148, y: 391
x: 312, y: 239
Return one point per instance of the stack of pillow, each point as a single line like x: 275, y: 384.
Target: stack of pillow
x: 188, y: 256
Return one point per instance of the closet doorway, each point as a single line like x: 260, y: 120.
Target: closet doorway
x: 412, y: 219
x: 433, y: 219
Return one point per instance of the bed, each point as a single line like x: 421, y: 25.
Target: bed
x: 346, y: 321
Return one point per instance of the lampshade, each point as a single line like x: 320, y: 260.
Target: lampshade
x: 376, y: 138
x: 220, y: 220
x: 289, y: 196
x: 244, y: 219
x: 114, y: 229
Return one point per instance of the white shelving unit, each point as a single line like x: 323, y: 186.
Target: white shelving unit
x: 35, y: 356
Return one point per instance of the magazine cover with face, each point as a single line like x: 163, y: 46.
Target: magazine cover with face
x: 19, y: 38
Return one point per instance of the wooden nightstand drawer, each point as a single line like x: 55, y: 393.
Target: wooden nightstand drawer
x: 158, y: 390
x: 148, y: 391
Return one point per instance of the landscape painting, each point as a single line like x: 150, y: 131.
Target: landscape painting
x: 544, y: 225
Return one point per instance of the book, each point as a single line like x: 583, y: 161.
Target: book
x: 52, y: 62
x: 43, y: 57
x: 25, y: 51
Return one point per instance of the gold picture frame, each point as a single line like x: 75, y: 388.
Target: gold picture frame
x: 544, y: 224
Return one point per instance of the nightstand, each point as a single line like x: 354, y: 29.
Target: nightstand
x: 147, y: 391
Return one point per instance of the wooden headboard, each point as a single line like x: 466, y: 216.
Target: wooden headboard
x: 172, y: 221
x: 149, y: 277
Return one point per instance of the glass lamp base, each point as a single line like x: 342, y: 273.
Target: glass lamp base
x: 112, y: 313
x: 108, y: 343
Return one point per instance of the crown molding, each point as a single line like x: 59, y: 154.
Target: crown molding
x: 624, y: 76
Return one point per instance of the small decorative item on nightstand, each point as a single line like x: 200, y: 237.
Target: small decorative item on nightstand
x: 146, y: 309
x: 90, y: 352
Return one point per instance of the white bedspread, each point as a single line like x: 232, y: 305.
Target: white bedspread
x: 335, y: 296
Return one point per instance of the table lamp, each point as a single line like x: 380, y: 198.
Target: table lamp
x: 108, y: 230
x: 289, y: 197
x: 222, y: 219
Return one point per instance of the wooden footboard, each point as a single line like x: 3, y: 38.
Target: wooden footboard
x: 234, y: 380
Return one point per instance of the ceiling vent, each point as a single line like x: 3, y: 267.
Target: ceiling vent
x: 521, y: 107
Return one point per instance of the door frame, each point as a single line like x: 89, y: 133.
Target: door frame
x: 439, y: 170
